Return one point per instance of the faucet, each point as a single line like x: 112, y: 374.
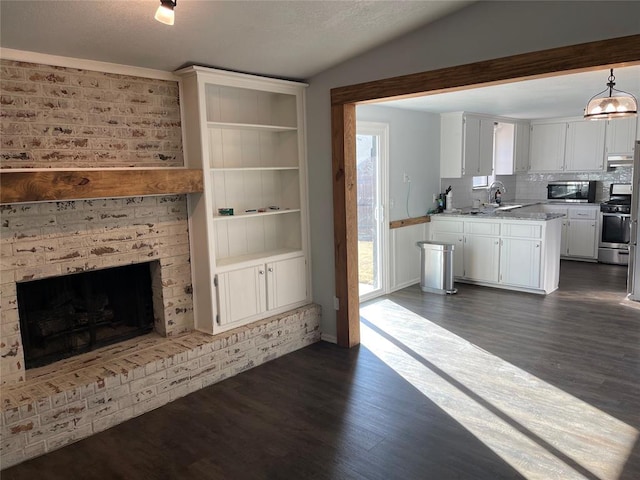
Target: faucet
x: 498, y: 185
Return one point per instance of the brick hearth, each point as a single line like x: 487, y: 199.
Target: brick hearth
x: 72, y: 399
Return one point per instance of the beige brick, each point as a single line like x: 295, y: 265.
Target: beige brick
x: 66, y: 438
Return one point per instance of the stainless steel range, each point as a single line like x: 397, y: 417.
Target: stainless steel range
x: 615, y: 225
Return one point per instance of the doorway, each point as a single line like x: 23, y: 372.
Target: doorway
x: 552, y: 62
x: 372, y: 174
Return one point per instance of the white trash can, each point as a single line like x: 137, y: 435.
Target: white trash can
x: 436, y: 267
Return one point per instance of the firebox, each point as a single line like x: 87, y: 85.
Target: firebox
x: 72, y: 314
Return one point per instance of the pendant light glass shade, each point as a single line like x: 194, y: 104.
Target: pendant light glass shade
x: 165, y: 14
x: 617, y: 104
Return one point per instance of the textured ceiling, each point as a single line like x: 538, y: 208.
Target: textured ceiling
x: 289, y: 39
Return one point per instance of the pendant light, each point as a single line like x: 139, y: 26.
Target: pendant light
x: 616, y: 105
x: 164, y: 14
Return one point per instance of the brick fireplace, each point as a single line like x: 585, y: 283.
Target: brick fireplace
x: 56, y: 118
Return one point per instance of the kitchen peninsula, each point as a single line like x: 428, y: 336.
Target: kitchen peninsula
x: 503, y: 248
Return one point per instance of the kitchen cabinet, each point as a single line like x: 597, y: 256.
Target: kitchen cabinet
x: 247, y: 135
x: 585, y: 146
x: 547, y: 147
x: 511, y: 149
x: 466, y: 145
x: 522, y: 136
x: 481, y: 258
x: 582, y: 233
x: 567, y: 145
x: 621, y: 136
x: 521, y: 254
x: 504, y: 253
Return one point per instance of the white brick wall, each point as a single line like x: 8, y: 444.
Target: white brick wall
x: 56, y: 238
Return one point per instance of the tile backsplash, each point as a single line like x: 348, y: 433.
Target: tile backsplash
x: 533, y: 186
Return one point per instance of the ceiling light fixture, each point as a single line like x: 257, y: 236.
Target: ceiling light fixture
x: 164, y: 14
x: 620, y: 104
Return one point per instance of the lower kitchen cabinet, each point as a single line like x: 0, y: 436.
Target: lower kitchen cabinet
x: 247, y: 293
x: 481, y: 258
x: 520, y: 262
x: 504, y: 253
x: 582, y: 239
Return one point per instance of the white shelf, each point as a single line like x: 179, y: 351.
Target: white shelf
x: 231, y: 263
x: 251, y: 169
x: 251, y: 126
x: 235, y: 216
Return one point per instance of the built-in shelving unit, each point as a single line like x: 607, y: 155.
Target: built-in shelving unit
x: 247, y: 135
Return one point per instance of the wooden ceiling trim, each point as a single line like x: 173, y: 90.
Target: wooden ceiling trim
x: 585, y: 56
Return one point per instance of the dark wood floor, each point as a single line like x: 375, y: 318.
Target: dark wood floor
x: 331, y: 413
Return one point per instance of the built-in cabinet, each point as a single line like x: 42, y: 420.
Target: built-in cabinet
x: 582, y: 233
x: 580, y: 229
x: 505, y: 253
x: 621, y: 136
x: 466, y: 145
x: 577, y: 145
x: 249, y: 229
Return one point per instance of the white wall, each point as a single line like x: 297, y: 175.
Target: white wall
x: 481, y: 31
x: 414, y: 148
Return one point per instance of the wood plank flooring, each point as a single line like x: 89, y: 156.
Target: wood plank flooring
x: 484, y: 384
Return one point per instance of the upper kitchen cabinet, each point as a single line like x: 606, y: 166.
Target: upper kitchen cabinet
x: 466, y: 145
x: 547, y: 147
x: 250, y: 224
x: 585, y: 146
x: 511, y: 147
x: 567, y: 145
x: 621, y: 136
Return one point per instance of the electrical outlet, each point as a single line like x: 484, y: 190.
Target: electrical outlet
x: 435, y: 197
x: 392, y: 202
x: 406, y: 178
x: 336, y: 303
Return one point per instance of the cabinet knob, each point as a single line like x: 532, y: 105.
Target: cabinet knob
x: 270, y: 269
x: 261, y: 272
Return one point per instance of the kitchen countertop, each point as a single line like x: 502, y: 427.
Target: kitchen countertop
x: 510, y: 214
x: 511, y: 210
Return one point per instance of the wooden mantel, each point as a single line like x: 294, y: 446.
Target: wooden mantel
x: 57, y: 185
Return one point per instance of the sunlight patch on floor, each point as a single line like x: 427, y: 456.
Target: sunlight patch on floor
x: 538, y: 429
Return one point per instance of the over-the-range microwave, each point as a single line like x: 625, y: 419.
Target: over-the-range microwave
x: 572, y: 191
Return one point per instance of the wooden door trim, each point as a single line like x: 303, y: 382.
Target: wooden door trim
x: 614, y: 52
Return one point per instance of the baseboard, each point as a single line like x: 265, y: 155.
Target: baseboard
x: 328, y: 338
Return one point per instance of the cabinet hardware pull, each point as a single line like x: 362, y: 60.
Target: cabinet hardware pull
x: 261, y: 272
x: 270, y: 269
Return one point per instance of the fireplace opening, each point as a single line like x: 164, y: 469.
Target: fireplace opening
x: 72, y: 314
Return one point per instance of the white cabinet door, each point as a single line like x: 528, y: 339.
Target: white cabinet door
x: 471, y: 155
x: 466, y: 145
x: 621, y: 134
x: 481, y: 258
x: 582, y: 238
x: 286, y: 282
x: 547, y: 147
x: 504, y: 148
x: 585, y: 146
x: 520, y: 262
x: 485, y: 147
x: 241, y: 294
x: 521, y: 151
x: 457, y: 240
